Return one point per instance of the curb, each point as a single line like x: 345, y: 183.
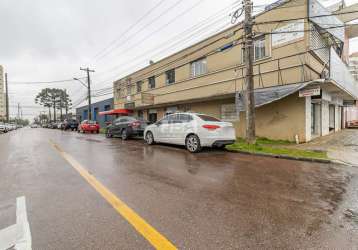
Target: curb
x: 326, y: 161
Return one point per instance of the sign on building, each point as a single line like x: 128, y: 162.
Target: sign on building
x: 147, y: 98
x: 310, y: 92
x: 288, y: 33
x: 228, y: 112
x: 129, y: 105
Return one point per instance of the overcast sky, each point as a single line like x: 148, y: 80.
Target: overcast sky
x: 45, y: 40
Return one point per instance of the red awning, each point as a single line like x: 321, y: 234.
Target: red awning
x: 117, y: 112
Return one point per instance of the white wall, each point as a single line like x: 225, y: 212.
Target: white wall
x: 308, y: 119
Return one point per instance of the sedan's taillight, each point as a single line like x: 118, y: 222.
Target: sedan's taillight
x: 134, y: 124
x: 211, y: 127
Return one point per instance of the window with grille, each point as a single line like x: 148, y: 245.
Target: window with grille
x: 199, y: 67
x: 139, y: 86
x: 170, y: 77
x: 151, y: 82
x: 259, y: 48
x: 129, y: 89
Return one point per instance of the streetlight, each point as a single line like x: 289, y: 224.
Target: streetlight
x: 76, y: 79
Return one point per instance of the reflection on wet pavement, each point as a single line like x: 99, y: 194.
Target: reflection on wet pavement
x: 221, y: 200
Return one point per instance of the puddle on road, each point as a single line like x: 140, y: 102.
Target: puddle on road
x: 351, y: 215
x: 88, y: 139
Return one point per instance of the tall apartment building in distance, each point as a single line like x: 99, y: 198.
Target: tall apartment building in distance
x: 2, y: 95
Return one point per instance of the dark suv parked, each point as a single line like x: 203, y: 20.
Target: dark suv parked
x: 125, y: 127
x: 71, y: 124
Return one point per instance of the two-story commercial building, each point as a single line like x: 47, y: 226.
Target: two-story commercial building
x: 300, y: 74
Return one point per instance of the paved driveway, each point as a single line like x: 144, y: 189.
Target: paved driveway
x: 78, y: 188
x: 342, y: 146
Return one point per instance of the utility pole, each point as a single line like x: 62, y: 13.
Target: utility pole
x: 7, y: 99
x: 61, y: 107
x: 249, y: 54
x: 54, y: 108
x: 66, y: 103
x: 89, y: 90
x: 18, y: 112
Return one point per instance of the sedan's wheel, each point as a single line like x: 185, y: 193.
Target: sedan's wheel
x: 124, y: 134
x: 149, y: 138
x: 192, y: 143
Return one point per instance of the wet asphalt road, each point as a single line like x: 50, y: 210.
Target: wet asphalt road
x: 211, y: 200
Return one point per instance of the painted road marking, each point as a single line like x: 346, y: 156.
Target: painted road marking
x: 147, y: 231
x: 23, y: 236
x: 17, y: 236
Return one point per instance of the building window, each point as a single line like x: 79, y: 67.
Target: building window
x: 129, y: 89
x: 170, y: 77
x: 171, y: 110
x: 151, y: 82
x: 139, y: 86
x: 199, y: 67
x: 259, y: 48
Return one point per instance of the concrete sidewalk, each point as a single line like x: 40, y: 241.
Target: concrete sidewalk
x: 341, y: 146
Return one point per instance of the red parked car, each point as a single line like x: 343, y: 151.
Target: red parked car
x: 88, y: 126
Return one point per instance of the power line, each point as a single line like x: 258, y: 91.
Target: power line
x: 42, y: 82
x: 186, y: 33
x: 274, y: 21
x: 307, y: 17
x: 129, y: 28
x: 308, y: 30
x: 187, y: 40
x: 145, y: 26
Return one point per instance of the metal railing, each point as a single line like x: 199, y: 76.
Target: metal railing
x: 339, y: 72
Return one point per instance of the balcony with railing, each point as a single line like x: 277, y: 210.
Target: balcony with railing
x: 340, y: 74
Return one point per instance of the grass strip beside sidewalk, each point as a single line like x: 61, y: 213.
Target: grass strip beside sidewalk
x: 273, y: 147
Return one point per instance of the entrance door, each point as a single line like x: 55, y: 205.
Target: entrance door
x: 315, y: 119
x: 152, y: 117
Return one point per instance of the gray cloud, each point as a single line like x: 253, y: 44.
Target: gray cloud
x: 48, y: 40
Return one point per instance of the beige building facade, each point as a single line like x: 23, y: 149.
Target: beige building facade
x: 2, y: 95
x: 301, y: 80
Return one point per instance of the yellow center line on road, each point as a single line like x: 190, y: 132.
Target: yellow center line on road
x: 157, y: 240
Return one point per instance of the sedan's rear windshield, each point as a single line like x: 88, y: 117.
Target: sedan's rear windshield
x: 92, y: 122
x: 208, y: 118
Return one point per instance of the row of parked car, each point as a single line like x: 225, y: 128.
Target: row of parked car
x: 68, y: 124
x: 192, y: 130
x: 7, y: 127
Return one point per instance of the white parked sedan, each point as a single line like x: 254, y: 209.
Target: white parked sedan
x: 3, y: 128
x: 192, y: 130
